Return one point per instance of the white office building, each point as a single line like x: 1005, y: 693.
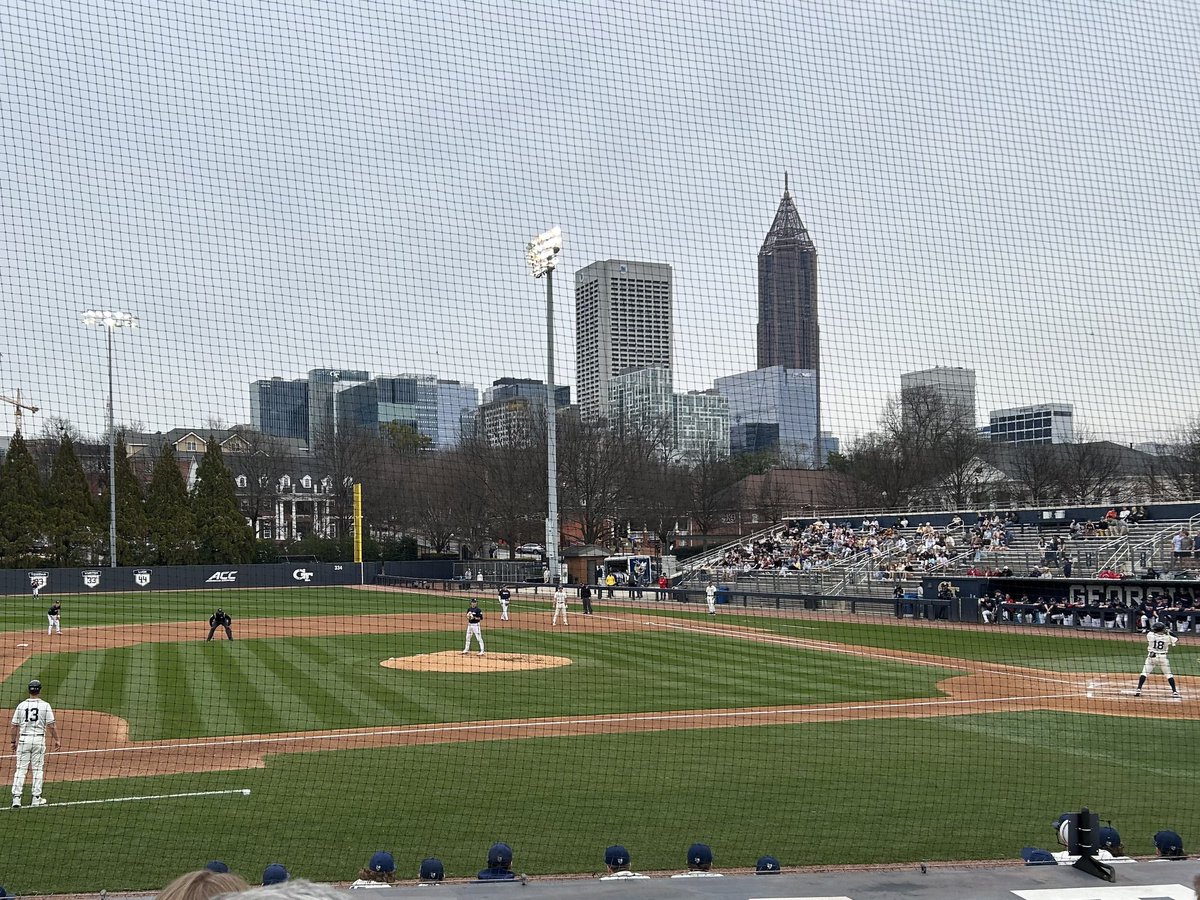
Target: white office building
x: 774, y: 409
x: 954, y: 385
x: 1042, y: 423
x: 622, y: 322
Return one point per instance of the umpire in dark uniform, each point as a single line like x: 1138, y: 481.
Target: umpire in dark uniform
x: 220, y: 619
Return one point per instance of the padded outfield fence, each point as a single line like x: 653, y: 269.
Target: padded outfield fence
x: 841, y: 348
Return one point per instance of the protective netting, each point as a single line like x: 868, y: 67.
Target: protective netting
x: 875, y: 436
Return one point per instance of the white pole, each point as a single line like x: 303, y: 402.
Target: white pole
x: 112, y: 462
x: 551, y: 439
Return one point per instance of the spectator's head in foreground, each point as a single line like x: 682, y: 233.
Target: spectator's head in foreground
x: 275, y: 873
x: 216, y: 865
x: 202, y: 885
x: 294, y: 889
x: 499, y: 860
x: 699, y: 858
x: 1108, y: 838
x: 1168, y: 845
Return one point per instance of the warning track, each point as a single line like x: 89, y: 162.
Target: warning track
x: 97, y: 745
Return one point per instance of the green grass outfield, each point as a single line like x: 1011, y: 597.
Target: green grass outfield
x: 168, y: 690
x: 978, y: 786
x: 971, y: 787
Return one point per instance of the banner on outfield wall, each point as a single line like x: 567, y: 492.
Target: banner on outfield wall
x: 181, y: 578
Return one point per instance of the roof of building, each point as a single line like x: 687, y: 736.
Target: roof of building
x: 787, y: 229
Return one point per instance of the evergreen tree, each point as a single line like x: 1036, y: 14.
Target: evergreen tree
x: 73, y: 522
x: 222, y: 533
x: 131, y: 513
x: 21, y: 513
x: 169, y: 513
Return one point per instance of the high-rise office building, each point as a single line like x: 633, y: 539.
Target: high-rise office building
x: 788, y: 329
x: 640, y: 400
x: 432, y: 407
x: 454, y: 399
x: 700, y: 425
x: 622, y: 321
x: 951, y: 386
x: 775, y: 409
x: 279, y: 407
x: 324, y: 389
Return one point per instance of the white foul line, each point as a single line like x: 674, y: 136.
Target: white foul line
x: 245, y: 792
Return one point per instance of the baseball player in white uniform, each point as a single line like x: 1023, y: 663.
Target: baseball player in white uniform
x: 560, y: 605
x: 710, y: 597
x: 30, y: 722
x: 1159, y: 642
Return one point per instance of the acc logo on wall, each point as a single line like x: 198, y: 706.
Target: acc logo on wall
x: 303, y: 575
x: 91, y: 578
x: 222, y: 577
x: 39, y: 580
x: 142, y: 577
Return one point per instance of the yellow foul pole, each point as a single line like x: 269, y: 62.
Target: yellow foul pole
x: 358, y: 556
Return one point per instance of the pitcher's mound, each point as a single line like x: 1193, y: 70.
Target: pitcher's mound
x: 453, y: 661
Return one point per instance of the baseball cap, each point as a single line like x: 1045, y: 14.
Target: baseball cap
x: 699, y: 855
x: 616, y: 855
x: 35, y: 686
x: 500, y: 854
x: 216, y: 865
x: 766, y: 865
x: 432, y: 869
x: 1035, y: 856
x: 1169, y: 843
x: 275, y: 873
x: 381, y: 861
x: 1108, y: 838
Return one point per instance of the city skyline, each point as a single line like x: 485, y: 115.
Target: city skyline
x: 990, y: 188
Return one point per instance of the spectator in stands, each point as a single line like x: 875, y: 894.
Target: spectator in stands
x: 275, y: 873
x: 699, y: 863
x: 1067, y: 567
x: 1178, y: 548
x: 202, y: 885
x: 499, y: 864
x: 617, y: 861
x: 1168, y: 845
x: 380, y: 872
x: 432, y: 871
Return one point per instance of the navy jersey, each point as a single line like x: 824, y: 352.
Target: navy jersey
x: 474, y: 615
x: 504, y: 593
x: 53, y: 610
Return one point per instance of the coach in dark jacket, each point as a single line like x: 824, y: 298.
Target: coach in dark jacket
x: 220, y: 619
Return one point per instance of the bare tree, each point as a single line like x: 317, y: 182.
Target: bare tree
x: 596, y: 468
x: 262, y: 462
x: 710, y: 480
x: 1090, y: 469
x: 345, y: 455
x: 1180, y: 465
x: 660, y: 501
x: 1035, y: 469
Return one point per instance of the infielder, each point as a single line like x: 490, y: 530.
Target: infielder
x: 52, y: 616
x: 1159, y: 642
x: 474, y: 618
x: 503, y: 596
x: 30, y: 722
x: 710, y: 598
x: 560, y: 605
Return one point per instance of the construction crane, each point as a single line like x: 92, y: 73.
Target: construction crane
x: 19, y: 408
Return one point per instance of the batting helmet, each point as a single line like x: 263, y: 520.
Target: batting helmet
x: 35, y: 686
x: 1160, y: 626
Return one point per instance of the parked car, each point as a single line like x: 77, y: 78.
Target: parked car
x: 531, y: 550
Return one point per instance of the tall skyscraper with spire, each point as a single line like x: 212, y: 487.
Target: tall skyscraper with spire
x: 788, y: 331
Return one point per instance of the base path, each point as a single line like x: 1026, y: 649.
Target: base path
x: 97, y: 745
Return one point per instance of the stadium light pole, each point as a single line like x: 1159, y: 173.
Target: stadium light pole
x: 542, y: 255
x: 110, y: 321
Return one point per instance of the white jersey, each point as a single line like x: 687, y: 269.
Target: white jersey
x: 1159, y: 643
x: 33, y: 715
x: 560, y: 598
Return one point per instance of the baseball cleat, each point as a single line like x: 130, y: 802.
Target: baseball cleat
x: 1138, y: 692
x: 38, y: 801
x: 16, y: 804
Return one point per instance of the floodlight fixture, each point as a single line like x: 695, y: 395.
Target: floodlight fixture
x: 542, y: 252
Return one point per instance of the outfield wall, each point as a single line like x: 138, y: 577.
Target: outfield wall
x: 94, y: 579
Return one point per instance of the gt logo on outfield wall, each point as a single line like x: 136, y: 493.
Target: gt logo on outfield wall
x: 303, y: 575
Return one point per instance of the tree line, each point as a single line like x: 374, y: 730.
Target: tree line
x: 60, y: 521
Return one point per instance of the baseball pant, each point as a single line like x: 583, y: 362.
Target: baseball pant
x: 1157, y: 661
x: 712, y: 606
x: 473, y: 630
x: 559, y: 608
x: 30, y: 752
x: 54, y: 625
x: 213, y: 630
x: 503, y: 610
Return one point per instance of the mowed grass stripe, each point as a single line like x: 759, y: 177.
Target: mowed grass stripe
x: 304, y: 684
x: 804, y: 793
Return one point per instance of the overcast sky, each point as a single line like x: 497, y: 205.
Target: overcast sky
x: 273, y: 187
